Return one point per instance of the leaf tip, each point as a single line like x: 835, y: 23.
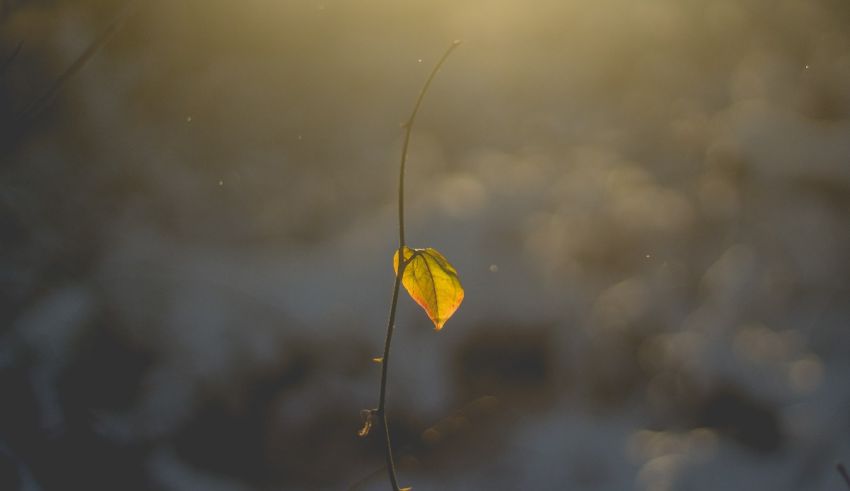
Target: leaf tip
x: 431, y: 281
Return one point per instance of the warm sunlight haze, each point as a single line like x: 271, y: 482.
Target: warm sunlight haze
x: 646, y: 203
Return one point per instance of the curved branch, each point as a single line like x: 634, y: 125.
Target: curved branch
x: 382, y: 398
x: 408, y: 127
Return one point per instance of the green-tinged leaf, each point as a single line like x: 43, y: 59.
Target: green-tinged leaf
x: 432, y: 282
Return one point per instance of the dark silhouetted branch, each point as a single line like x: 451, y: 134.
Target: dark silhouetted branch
x: 36, y: 107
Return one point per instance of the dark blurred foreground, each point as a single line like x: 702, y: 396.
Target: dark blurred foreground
x: 648, y: 204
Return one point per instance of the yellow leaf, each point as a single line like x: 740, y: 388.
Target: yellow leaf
x: 378, y: 359
x: 432, y: 282
x: 368, y: 417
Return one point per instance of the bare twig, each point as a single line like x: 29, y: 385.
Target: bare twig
x: 408, y: 128
x: 37, y: 106
x: 380, y: 411
x: 382, y: 398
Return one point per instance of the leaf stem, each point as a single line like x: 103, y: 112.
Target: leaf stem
x: 385, y: 363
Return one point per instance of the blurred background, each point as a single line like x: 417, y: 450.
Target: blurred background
x: 647, y: 202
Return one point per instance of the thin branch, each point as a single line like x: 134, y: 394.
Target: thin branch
x: 408, y: 128
x: 385, y: 361
x: 36, y: 107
